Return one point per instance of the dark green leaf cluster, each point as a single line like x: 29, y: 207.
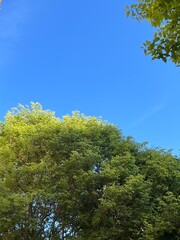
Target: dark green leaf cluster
x: 164, y: 15
x: 79, y: 178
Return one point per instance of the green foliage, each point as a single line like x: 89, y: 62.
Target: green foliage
x: 164, y: 15
x: 79, y: 178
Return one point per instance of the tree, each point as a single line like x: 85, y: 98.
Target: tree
x: 164, y: 15
x: 48, y: 172
x: 79, y: 178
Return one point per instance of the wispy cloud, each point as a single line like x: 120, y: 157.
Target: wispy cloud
x: 150, y: 112
x: 13, y: 15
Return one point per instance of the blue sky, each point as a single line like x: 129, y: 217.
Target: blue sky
x: 86, y: 55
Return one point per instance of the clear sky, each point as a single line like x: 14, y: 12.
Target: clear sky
x: 86, y: 55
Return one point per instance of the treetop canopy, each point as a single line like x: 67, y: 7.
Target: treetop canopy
x: 79, y: 178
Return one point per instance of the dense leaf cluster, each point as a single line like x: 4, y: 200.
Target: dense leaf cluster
x: 79, y: 178
x: 164, y: 15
